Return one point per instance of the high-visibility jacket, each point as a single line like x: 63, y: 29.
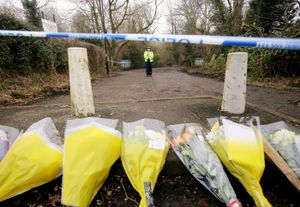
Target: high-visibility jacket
x: 148, y: 55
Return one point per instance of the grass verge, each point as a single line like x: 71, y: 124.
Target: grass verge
x: 281, y: 83
x: 22, y: 90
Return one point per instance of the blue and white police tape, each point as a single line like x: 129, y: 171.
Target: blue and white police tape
x: 259, y: 42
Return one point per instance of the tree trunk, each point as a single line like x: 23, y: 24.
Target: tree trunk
x: 237, y: 16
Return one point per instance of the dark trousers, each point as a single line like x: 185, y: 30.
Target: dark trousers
x: 148, y: 68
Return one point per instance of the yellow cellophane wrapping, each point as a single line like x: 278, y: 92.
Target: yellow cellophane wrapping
x: 29, y: 163
x: 142, y: 163
x: 243, y: 156
x: 89, y: 154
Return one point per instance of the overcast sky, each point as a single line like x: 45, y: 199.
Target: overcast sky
x: 65, y: 6
x: 61, y: 5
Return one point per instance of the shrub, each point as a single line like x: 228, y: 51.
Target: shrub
x: 216, y: 65
x: 24, y: 55
x: 27, y: 55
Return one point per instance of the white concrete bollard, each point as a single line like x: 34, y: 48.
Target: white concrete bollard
x: 82, y: 101
x: 234, y: 94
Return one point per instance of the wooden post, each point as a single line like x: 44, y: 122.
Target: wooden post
x: 82, y: 101
x: 273, y: 156
x: 234, y: 94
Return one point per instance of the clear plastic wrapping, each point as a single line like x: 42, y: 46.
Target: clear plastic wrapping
x: 188, y: 142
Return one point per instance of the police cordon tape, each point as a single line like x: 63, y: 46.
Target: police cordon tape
x: 258, y: 42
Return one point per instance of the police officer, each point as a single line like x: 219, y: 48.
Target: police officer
x: 148, y: 56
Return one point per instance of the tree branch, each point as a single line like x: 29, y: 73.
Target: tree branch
x: 119, y: 7
x: 124, y: 15
x: 230, y: 6
x: 43, y: 5
x: 112, y: 24
x: 149, y: 23
x: 122, y: 44
x: 84, y: 12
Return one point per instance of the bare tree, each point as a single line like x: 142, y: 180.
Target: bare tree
x: 88, y: 9
x: 172, y: 20
x: 43, y: 3
x: 113, y: 16
x: 195, y: 14
x: 81, y: 23
x: 228, y: 16
x: 139, y: 19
